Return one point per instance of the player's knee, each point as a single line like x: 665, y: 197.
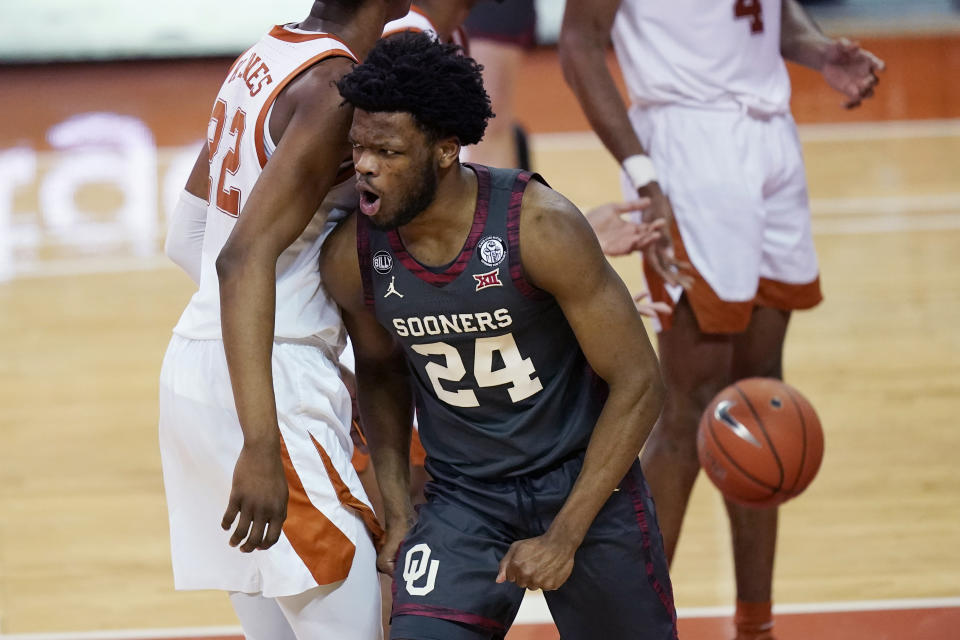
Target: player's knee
x: 686, y: 400
x: 761, y: 365
x: 675, y: 440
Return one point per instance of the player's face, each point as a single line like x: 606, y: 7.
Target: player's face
x: 396, y: 169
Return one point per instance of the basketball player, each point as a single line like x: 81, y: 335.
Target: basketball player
x: 483, y: 294
x: 710, y: 96
x: 500, y: 35
x: 253, y: 414
x: 440, y: 19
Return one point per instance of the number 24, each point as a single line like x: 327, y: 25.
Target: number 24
x: 517, y: 370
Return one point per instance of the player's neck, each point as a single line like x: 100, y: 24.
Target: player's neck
x: 436, y: 236
x: 359, y: 28
x: 444, y: 15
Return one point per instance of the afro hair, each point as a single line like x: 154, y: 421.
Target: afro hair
x: 437, y: 85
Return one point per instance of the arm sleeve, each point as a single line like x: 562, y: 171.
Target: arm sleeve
x: 185, y: 234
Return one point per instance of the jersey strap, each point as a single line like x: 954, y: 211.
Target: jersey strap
x: 513, y: 237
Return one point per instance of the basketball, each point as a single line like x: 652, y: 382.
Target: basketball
x: 760, y: 442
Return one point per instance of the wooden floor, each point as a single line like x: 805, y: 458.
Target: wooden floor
x: 83, y: 540
x: 83, y: 533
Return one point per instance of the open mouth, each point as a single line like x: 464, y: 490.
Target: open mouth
x: 369, y: 201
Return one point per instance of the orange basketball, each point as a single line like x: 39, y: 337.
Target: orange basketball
x: 760, y: 442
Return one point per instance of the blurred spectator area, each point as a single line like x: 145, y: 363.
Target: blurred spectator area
x: 102, y: 29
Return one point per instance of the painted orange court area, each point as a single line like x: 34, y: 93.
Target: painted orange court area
x: 912, y: 624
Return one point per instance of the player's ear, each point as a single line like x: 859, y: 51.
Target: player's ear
x: 448, y: 151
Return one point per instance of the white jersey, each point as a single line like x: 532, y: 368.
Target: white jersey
x: 704, y: 53
x: 417, y: 20
x: 240, y: 145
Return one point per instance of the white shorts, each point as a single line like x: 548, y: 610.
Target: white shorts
x: 737, y: 185
x: 328, y: 513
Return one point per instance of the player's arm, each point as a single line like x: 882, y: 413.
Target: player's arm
x: 561, y: 256
x: 844, y: 65
x: 383, y: 386
x: 277, y: 210
x: 582, y: 48
x: 583, y: 45
x: 184, y: 243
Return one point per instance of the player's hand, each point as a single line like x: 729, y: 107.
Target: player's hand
x: 852, y: 71
x: 659, y: 254
x: 618, y: 236
x: 259, y: 497
x: 387, y: 557
x: 648, y: 307
x: 543, y: 562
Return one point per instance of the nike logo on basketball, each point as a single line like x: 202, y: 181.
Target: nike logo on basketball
x: 722, y: 413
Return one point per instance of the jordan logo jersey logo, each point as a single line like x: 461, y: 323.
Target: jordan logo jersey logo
x: 392, y: 289
x: 489, y: 279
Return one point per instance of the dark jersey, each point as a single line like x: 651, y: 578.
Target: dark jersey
x: 502, y: 388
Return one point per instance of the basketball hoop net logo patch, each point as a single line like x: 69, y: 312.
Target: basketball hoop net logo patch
x: 488, y: 279
x: 416, y: 565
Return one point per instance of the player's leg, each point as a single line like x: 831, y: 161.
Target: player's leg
x: 695, y: 367
x: 348, y: 609
x: 620, y: 586
x: 499, y: 34
x: 501, y: 62
x: 368, y: 478
x: 789, y: 279
x: 445, y: 580
x: 260, y: 618
x: 758, y: 352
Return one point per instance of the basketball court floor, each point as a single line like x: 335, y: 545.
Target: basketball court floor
x: 870, y: 551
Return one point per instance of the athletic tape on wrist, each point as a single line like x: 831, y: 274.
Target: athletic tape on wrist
x: 640, y: 170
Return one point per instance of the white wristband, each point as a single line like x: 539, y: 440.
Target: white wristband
x: 640, y: 170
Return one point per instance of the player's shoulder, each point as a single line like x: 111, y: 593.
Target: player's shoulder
x: 341, y: 243
x: 339, y: 262
x: 321, y: 77
x: 555, y: 238
x: 546, y: 216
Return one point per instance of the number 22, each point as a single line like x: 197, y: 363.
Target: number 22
x: 750, y: 9
x: 517, y: 371
x: 228, y: 199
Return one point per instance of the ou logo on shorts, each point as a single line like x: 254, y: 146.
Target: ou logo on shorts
x: 416, y: 565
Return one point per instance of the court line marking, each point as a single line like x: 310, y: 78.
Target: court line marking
x: 533, y: 611
x: 832, y: 216
x: 824, y: 132
x: 893, y: 223
x: 88, y: 266
x: 873, y: 205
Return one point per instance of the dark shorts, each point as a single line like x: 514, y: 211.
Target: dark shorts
x: 510, y: 22
x: 444, y: 586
